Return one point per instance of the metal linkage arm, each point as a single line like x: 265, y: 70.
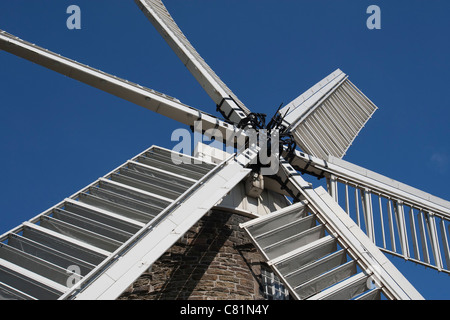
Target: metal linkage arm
x: 147, y: 98
x: 227, y: 102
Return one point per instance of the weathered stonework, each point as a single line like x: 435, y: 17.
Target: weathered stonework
x: 213, y: 260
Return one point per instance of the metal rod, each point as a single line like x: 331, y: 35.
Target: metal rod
x: 414, y: 234
x: 445, y: 243
x: 357, y: 208
x: 347, y: 205
x: 391, y: 226
x: 423, y: 237
x: 402, y: 229
x: 382, y: 222
x: 434, y: 241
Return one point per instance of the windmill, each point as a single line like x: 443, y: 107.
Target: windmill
x: 315, y: 211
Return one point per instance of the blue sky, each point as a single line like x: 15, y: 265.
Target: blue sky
x: 58, y: 135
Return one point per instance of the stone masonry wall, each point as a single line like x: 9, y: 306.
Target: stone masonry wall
x: 213, y: 260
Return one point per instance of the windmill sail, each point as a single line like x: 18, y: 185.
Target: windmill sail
x: 320, y: 253
x: 228, y: 103
x: 132, y: 92
x: 94, y: 244
x: 400, y: 219
x: 327, y: 118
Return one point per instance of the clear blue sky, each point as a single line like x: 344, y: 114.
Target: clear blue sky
x: 58, y: 135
